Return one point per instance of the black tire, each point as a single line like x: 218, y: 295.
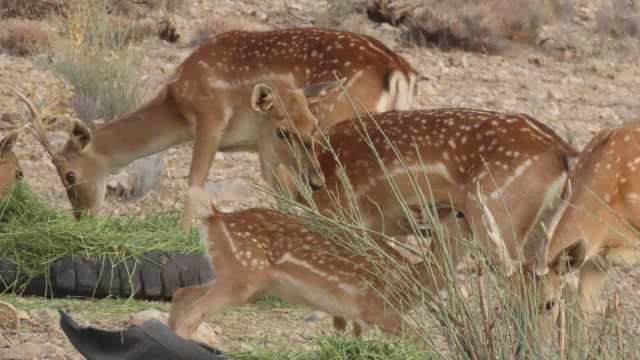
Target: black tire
x: 154, y: 276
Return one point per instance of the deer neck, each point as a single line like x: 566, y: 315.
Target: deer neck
x: 151, y: 128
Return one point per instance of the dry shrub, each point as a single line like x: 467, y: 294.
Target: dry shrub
x: 618, y: 18
x: 141, y: 8
x: 25, y: 37
x: 482, y: 26
x: 339, y: 11
x: 33, y: 9
x: 132, y: 31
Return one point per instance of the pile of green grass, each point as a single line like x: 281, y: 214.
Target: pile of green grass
x: 32, y: 234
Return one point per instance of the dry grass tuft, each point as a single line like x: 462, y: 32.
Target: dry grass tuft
x: 25, y: 37
x: 33, y: 9
x: 480, y: 26
x: 618, y: 18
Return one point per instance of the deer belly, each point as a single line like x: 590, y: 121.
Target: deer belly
x: 241, y: 133
x: 317, y: 293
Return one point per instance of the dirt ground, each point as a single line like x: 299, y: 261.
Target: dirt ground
x: 578, y: 83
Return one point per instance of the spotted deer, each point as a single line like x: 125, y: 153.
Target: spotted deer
x: 10, y: 170
x: 597, y: 225
x: 234, y: 88
x: 502, y: 173
x: 256, y: 252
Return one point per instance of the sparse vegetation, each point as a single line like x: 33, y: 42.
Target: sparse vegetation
x: 25, y: 37
x: 95, y: 58
x: 619, y: 18
x: 33, y: 9
x: 480, y: 26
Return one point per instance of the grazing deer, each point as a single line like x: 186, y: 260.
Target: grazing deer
x: 256, y: 252
x: 502, y: 172
x: 597, y: 224
x: 232, y: 89
x: 10, y: 170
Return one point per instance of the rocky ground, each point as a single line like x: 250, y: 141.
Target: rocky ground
x: 578, y: 82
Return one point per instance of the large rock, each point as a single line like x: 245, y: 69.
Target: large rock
x: 138, y: 178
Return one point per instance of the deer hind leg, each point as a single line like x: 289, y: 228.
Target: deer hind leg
x: 340, y: 325
x: 384, y: 317
x: 193, y: 305
x: 206, y: 142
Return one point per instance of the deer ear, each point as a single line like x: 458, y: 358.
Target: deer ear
x: 570, y: 259
x: 7, y: 143
x: 262, y: 98
x: 80, y: 134
x: 320, y: 91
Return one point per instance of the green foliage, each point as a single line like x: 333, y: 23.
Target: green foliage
x: 33, y: 235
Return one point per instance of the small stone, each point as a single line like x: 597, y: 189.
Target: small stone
x: 316, y: 316
x: 205, y: 333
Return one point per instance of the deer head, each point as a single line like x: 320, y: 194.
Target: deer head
x: 289, y: 138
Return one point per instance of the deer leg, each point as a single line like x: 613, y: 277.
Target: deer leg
x: 204, y: 151
x: 387, y: 319
x: 193, y: 305
x: 339, y: 323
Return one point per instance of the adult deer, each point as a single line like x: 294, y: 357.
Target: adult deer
x: 597, y: 224
x: 259, y: 251
x: 236, y: 87
x: 10, y: 170
x: 503, y: 173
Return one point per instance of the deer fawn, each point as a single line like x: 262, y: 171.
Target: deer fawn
x: 10, y: 171
x: 259, y: 251
x: 503, y: 173
x: 597, y: 224
x: 236, y: 87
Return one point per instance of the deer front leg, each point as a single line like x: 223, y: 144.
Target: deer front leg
x: 205, y: 146
x: 193, y: 305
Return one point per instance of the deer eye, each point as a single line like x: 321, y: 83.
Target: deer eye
x: 19, y: 175
x: 282, y: 134
x: 70, y: 177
